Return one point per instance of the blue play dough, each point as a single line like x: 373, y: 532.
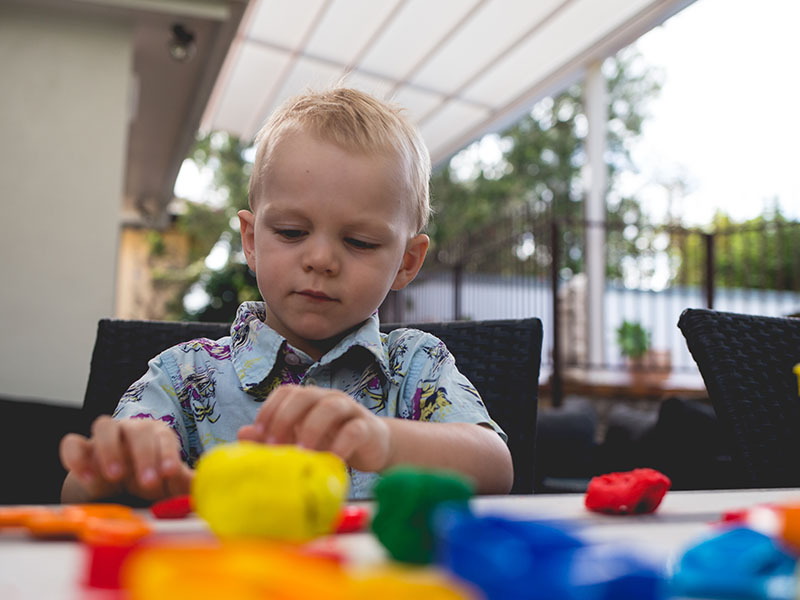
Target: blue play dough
x: 538, y: 560
x: 739, y: 564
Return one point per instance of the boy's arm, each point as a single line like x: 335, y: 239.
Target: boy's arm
x: 326, y: 419
x: 473, y: 450
x: 445, y: 422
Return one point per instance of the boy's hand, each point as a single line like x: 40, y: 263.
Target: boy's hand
x: 322, y: 419
x: 138, y: 456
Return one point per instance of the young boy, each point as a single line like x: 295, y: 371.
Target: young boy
x: 339, y: 200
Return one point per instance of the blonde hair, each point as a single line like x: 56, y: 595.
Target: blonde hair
x: 356, y: 122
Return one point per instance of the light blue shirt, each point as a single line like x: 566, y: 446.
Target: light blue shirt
x: 206, y: 390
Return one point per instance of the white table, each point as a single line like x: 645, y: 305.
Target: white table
x: 35, y: 570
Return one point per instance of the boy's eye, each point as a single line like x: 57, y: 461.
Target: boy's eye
x: 290, y: 234
x: 360, y: 244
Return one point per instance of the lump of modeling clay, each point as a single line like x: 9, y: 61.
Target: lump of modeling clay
x: 407, y: 498
x: 625, y: 493
x: 284, y: 493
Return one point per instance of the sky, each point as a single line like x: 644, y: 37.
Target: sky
x: 727, y: 120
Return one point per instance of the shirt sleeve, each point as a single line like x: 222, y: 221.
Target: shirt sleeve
x: 436, y: 391
x: 153, y: 396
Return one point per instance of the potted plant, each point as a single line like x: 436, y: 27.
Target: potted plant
x: 633, y: 340
x: 644, y: 363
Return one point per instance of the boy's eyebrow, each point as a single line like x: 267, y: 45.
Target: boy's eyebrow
x: 283, y: 211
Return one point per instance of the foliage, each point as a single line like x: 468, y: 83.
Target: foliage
x: 203, y: 224
x: 540, y: 169
x: 539, y: 173
x: 155, y: 243
x: 214, y: 224
x: 477, y: 204
x: 759, y: 253
x: 633, y: 339
x: 227, y: 288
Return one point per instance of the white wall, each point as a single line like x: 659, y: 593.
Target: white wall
x: 64, y: 84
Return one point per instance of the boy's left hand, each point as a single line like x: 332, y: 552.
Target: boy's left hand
x: 322, y: 419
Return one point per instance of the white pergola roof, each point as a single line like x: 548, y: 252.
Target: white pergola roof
x: 462, y: 68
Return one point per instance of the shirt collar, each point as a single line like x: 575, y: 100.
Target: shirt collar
x: 367, y: 336
x: 255, y: 346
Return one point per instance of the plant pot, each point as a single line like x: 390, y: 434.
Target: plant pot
x: 650, y: 369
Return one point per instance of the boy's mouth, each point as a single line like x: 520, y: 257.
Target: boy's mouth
x: 315, y: 295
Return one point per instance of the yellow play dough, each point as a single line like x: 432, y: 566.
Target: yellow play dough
x: 251, y: 490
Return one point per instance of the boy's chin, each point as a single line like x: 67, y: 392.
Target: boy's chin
x: 331, y: 336
x: 338, y: 335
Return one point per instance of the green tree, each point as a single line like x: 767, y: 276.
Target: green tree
x: 216, y: 222
x: 758, y: 253
x: 539, y: 172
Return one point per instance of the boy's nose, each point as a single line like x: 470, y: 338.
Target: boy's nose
x: 320, y: 257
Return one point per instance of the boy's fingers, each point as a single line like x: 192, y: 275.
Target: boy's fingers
x: 319, y: 426
x: 80, y: 459
x: 263, y: 421
x: 180, y: 483
x: 109, y: 454
x: 248, y: 433
x: 364, y: 443
x: 168, y: 452
x: 350, y: 437
x: 75, y: 452
x: 290, y: 413
x: 146, y: 452
x: 143, y: 448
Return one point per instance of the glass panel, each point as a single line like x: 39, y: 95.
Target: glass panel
x: 283, y: 23
x: 252, y: 76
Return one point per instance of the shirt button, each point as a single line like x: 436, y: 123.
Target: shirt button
x: 292, y: 359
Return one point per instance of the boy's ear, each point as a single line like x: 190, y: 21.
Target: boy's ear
x: 247, y: 229
x: 413, y: 258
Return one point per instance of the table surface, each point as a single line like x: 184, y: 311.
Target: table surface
x: 619, y: 383
x: 35, y: 569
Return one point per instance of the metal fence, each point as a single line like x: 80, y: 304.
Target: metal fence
x: 531, y: 265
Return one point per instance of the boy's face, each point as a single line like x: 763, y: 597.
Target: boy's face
x: 328, y: 237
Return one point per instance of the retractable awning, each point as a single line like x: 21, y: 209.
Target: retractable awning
x: 462, y: 68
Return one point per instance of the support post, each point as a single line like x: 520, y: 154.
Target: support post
x: 709, y: 242
x: 458, y: 272
x: 595, y: 210
x: 555, y: 376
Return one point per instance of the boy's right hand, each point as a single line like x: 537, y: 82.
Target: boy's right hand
x: 137, y: 456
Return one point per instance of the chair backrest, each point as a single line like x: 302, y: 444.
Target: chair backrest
x: 121, y: 352
x: 746, y: 362
x: 501, y: 358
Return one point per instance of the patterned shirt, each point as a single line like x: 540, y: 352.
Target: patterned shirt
x: 206, y: 390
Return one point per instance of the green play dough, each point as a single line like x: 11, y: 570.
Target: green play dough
x: 407, y: 498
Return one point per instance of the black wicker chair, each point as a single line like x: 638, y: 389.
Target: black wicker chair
x: 746, y: 362
x: 501, y: 358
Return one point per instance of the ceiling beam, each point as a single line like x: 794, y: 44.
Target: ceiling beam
x: 214, y: 10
